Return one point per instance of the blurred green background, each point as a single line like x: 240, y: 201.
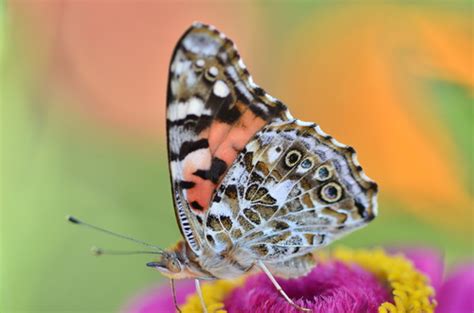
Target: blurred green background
x: 82, y: 95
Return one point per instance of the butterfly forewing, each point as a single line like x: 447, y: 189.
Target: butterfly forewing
x: 213, y: 111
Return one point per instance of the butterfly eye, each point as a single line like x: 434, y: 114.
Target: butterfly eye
x: 323, y: 173
x: 331, y: 192
x: 174, y: 266
x: 306, y: 164
x: 292, y: 158
x: 199, y: 65
x: 211, y: 73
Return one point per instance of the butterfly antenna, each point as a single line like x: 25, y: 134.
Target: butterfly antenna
x: 99, y: 251
x: 74, y: 220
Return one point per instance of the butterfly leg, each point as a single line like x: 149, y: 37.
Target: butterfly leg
x: 173, y: 291
x: 199, y: 292
x: 278, y: 287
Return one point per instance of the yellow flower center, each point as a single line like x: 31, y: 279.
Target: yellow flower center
x: 214, y: 294
x: 411, y: 290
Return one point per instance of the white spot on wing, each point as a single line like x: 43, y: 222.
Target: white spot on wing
x: 201, y: 43
x: 269, y: 97
x: 176, y: 111
x: 222, y: 208
x: 303, y: 123
x: 231, y: 71
x: 213, y: 71
x: 288, y: 115
x: 198, y: 159
x: 200, y: 63
x: 191, y: 79
x: 221, y: 89
x: 337, y: 143
x: 281, y: 190
x: 262, y: 107
x: 176, y: 169
x: 273, y: 155
x: 241, y: 87
x: 196, y: 107
x: 252, y: 83
x: 354, y: 159
x: 179, y: 110
x: 320, y: 131
x: 180, y: 66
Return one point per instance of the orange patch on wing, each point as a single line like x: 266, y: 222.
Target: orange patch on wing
x: 203, y: 189
x: 217, y: 133
x: 225, y: 142
x: 201, y: 193
x: 238, y: 136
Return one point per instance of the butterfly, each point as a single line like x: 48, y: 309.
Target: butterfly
x: 254, y: 189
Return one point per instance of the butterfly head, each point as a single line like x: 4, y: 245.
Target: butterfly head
x: 178, y: 263
x: 169, y: 265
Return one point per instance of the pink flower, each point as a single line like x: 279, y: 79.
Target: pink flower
x: 429, y: 262
x: 457, y: 292
x: 331, y: 287
x: 160, y: 299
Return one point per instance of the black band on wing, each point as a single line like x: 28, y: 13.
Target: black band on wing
x: 190, y: 118
x: 218, y: 167
x: 229, y: 116
x: 191, y: 146
x: 194, y: 122
x: 186, y: 184
x: 204, y: 122
x: 361, y: 209
x: 195, y: 205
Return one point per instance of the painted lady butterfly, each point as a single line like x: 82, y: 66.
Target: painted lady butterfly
x: 254, y: 188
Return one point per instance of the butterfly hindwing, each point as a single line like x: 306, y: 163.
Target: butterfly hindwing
x: 213, y: 111
x: 291, y: 190
x: 295, y: 267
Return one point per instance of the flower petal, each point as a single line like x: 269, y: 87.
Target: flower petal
x: 331, y: 287
x: 456, y: 294
x: 160, y: 299
x: 429, y: 262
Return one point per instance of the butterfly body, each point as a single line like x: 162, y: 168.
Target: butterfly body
x: 181, y: 263
x: 251, y: 184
